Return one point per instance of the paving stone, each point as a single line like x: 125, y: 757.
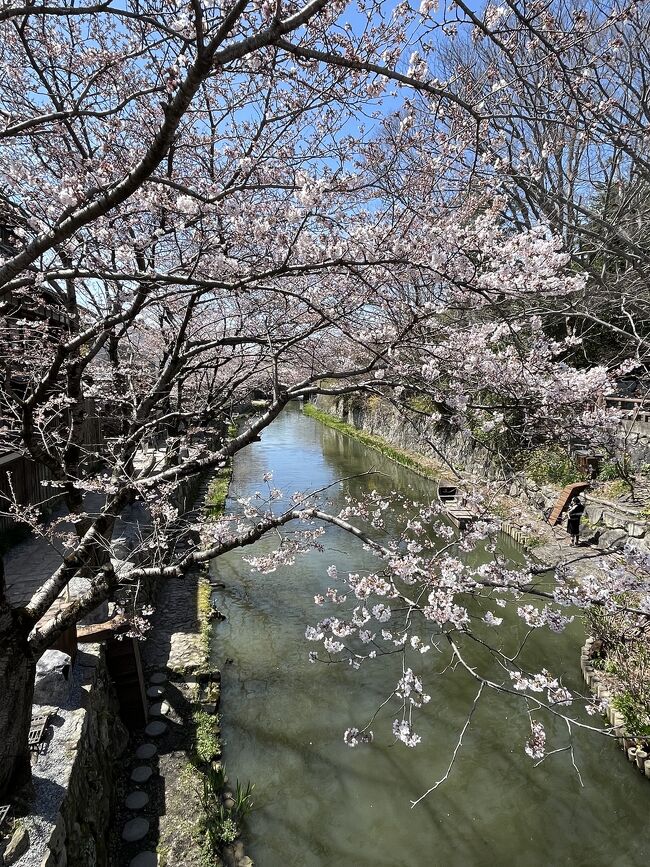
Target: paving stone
x: 141, y: 774
x: 159, y: 709
x: 158, y: 678
x: 146, y: 751
x: 136, y: 800
x: 135, y: 829
x: 155, y: 728
x: 156, y: 691
x: 144, y: 859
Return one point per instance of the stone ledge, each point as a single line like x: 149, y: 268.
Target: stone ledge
x: 73, y: 771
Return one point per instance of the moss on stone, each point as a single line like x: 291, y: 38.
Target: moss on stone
x: 215, y: 499
x: 207, y: 744
x: 418, y: 463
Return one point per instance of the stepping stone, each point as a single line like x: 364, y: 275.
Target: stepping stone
x: 156, y: 728
x: 135, y: 829
x: 158, y: 677
x: 144, y: 859
x: 146, y: 751
x: 141, y: 774
x: 156, y: 691
x: 136, y: 800
x: 159, y: 709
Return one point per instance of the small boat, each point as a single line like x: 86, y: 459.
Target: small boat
x: 447, y: 492
x: 456, y: 511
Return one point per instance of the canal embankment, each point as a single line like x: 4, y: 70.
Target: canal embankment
x: 173, y: 804
x: 520, y: 498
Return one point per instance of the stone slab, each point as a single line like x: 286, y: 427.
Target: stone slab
x: 146, y: 751
x: 141, y: 774
x: 144, y: 859
x: 155, y: 728
x: 155, y: 692
x: 159, y: 709
x: 136, y: 800
x: 135, y: 829
x: 158, y: 678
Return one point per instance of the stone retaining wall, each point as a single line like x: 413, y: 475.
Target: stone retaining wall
x: 74, y: 770
x: 75, y: 774
x: 408, y: 431
x: 611, y: 525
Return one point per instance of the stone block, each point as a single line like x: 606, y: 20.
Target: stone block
x: 141, y: 774
x: 590, y: 536
x: 612, y: 540
x: 613, y: 520
x: 135, y: 829
x: 146, y: 751
x: 639, y: 547
x: 52, y: 684
x: 17, y: 846
x: 594, y: 513
x: 136, y: 800
x: 636, y: 531
x: 144, y: 859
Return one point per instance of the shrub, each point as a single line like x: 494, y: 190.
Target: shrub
x: 609, y: 471
x: 552, y: 466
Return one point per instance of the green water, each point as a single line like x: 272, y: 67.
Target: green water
x: 320, y: 803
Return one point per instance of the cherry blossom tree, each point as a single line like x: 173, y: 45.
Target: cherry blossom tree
x: 209, y: 202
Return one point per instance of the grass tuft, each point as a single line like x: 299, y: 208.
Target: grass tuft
x: 418, y: 463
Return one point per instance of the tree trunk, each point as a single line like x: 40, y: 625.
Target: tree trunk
x: 17, y: 674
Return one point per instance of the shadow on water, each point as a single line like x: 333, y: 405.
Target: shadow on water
x: 320, y: 803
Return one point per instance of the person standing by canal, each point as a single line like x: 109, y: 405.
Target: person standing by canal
x: 574, y: 515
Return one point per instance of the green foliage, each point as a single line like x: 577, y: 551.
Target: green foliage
x: 617, y: 488
x: 609, y: 471
x: 220, y: 824
x: 204, y: 609
x: 623, y: 653
x: 207, y: 744
x: 421, y: 403
x: 243, y: 799
x: 552, y: 466
x: 215, y: 499
x: 635, y: 714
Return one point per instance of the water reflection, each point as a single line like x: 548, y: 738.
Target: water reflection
x: 320, y: 803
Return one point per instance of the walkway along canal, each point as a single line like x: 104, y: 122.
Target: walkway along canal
x: 322, y: 804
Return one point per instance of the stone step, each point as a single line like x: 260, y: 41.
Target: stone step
x: 136, y: 800
x: 141, y: 774
x: 159, y: 709
x: 135, y: 829
x: 144, y: 859
x: 146, y: 751
x: 155, y: 728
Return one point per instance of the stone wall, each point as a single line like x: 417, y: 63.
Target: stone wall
x: 611, y: 525
x: 635, y: 440
x: 409, y: 431
x: 74, y: 770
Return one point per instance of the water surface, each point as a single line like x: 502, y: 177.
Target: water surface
x: 320, y: 803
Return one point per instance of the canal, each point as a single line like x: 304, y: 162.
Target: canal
x: 320, y: 803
